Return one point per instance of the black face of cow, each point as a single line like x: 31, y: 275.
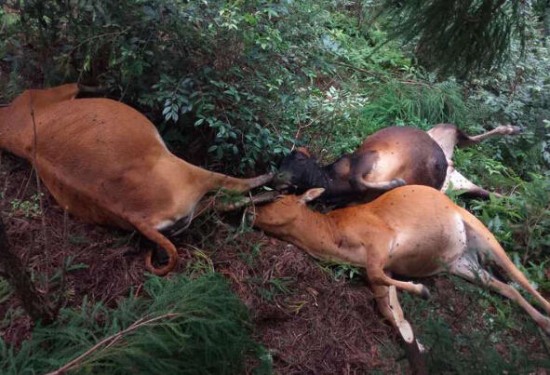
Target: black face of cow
x: 299, y: 172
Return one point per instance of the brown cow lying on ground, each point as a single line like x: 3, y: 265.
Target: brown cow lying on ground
x: 412, y: 231
x: 389, y: 158
x: 106, y: 163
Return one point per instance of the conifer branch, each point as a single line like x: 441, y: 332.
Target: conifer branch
x: 109, y: 341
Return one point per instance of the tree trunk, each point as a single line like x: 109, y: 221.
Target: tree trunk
x: 17, y: 275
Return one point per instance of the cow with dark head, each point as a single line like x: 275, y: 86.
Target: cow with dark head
x: 387, y: 159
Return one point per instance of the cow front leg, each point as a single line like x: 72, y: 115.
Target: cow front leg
x: 390, y: 308
x: 377, y: 258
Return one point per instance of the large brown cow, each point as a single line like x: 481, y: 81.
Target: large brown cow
x: 106, y: 163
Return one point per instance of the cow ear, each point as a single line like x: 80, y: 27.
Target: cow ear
x: 45, y: 97
x: 303, y: 151
x: 311, y: 194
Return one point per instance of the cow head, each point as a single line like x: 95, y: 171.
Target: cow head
x: 299, y: 171
x: 283, y: 211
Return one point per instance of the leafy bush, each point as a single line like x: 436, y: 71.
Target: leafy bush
x: 420, y: 102
x: 224, y: 74
x: 460, y: 37
x: 520, y: 94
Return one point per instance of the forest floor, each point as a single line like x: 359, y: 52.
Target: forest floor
x: 311, y: 322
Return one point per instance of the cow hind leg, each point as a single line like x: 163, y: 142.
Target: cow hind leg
x: 465, y: 140
x: 469, y: 269
x: 457, y: 182
x: 360, y: 169
x: 361, y: 184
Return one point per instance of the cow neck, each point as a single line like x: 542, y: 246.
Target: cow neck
x: 316, y: 176
x: 314, y: 232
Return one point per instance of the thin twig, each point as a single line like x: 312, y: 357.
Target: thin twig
x: 3, y: 192
x: 108, y: 342
x: 410, y: 82
x: 23, y: 189
x: 64, y: 267
x: 300, y: 128
x: 34, y: 303
x: 38, y: 186
x: 378, y: 75
x: 99, y: 36
x: 65, y: 233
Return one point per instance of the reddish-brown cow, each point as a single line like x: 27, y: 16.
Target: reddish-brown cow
x: 412, y: 231
x: 106, y: 163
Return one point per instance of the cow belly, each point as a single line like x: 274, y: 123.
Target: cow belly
x: 428, y: 248
x: 80, y: 203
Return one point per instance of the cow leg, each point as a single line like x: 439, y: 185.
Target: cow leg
x: 457, y: 182
x: 378, y: 277
x: 361, y: 184
x: 465, y: 140
x: 390, y: 308
x: 361, y: 167
x: 470, y: 270
x: 388, y: 304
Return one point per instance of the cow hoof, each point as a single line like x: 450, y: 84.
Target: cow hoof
x: 510, y: 129
x: 421, y: 348
x: 425, y: 293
